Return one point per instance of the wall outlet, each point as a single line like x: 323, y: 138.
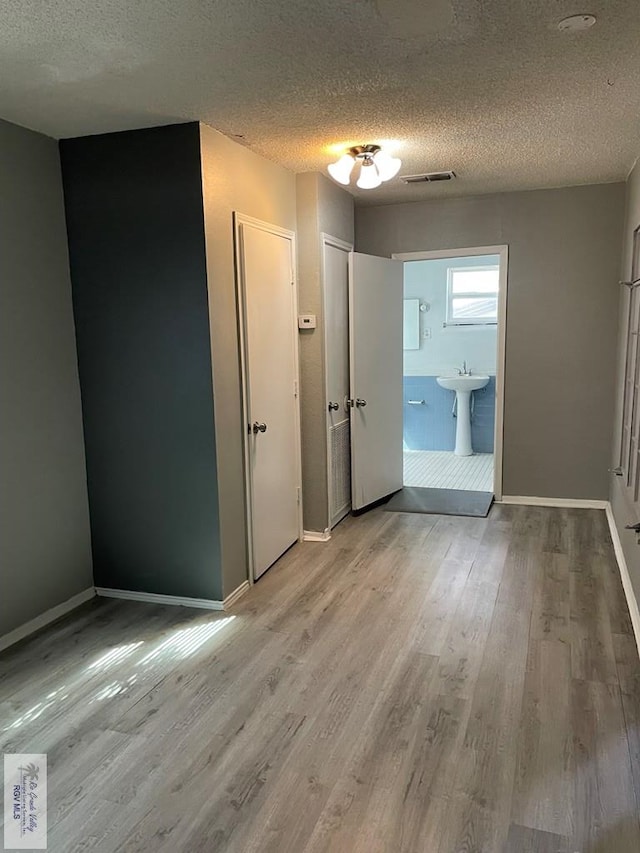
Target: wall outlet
x: 426, y: 333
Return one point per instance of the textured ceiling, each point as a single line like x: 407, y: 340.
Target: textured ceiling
x: 488, y: 88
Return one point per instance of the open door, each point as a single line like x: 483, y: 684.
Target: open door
x: 375, y: 333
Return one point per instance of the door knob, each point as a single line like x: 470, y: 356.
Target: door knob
x: 635, y: 527
x: 361, y: 403
x: 333, y: 407
x: 259, y: 428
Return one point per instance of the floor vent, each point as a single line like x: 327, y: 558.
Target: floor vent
x: 429, y: 178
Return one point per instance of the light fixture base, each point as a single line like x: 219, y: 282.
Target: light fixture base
x: 371, y: 163
x: 364, y: 152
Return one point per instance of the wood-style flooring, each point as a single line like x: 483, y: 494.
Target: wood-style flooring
x: 419, y: 684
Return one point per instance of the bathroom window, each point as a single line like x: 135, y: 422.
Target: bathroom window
x: 472, y: 296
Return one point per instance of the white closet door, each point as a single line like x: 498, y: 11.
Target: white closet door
x: 266, y: 273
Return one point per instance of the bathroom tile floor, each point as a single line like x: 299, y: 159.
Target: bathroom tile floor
x: 442, y: 469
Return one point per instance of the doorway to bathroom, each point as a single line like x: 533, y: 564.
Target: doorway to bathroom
x: 453, y: 369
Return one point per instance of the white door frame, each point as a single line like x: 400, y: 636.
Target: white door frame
x: 240, y: 219
x: 503, y: 252
x: 328, y: 240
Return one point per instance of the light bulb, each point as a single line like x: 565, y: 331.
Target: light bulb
x: 388, y: 167
x: 341, y: 170
x: 369, y: 178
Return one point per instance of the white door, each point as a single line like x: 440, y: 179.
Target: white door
x: 270, y: 382
x: 336, y: 324
x: 375, y: 313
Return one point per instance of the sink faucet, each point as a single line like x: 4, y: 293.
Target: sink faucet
x: 464, y: 371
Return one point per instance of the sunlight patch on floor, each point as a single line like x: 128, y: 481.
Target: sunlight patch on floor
x: 177, y: 646
x: 185, y: 642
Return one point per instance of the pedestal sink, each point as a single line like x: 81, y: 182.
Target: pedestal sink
x: 463, y: 385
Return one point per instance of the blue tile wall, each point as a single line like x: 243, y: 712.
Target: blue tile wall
x: 433, y: 427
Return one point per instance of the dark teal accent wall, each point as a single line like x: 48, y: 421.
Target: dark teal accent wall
x: 137, y: 251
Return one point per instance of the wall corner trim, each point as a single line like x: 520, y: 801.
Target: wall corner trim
x: 632, y: 601
x: 237, y: 593
x: 566, y: 503
x: 46, y: 618
x: 316, y: 535
x: 157, y: 598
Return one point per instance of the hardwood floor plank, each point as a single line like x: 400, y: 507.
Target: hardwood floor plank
x: 588, y: 536
x: 433, y: 624
x: 543, y: 796
x: 470, y: 826
x: 556, y: 537
x: 335, y: 724
x: 431, y: 771
x: 551, y: 612
x: 106, y: 683
x: 461, y: 657
x: 628, y: 666
x: 354, y: 817
x: 592, y: 655
x: 617, y: 608
x: 466, y: 536
x: 602, y: 771
x: 71, y: 648
x: 481, y: 803
x: 523, y: 839
x: 245, y: 776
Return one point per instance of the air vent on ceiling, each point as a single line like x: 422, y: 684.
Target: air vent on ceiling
x: 429, y: 178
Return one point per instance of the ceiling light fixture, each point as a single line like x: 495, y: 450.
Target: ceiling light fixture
x: 374, y: 166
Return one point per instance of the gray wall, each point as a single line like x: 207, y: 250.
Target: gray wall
x: 234, y: 179
x: 45, y: 550
x: 564, y: 251
x: 322, y: 207
x: 623, y: 510
x: 136, y: 238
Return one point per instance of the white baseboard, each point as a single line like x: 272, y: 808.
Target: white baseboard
x: 46, y: 618
x: 317, y: 535
x: 235, y: 595
x: 632, y: 601
x: 54, y: 613
x: 156, y: 598
x: 561, y: 503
